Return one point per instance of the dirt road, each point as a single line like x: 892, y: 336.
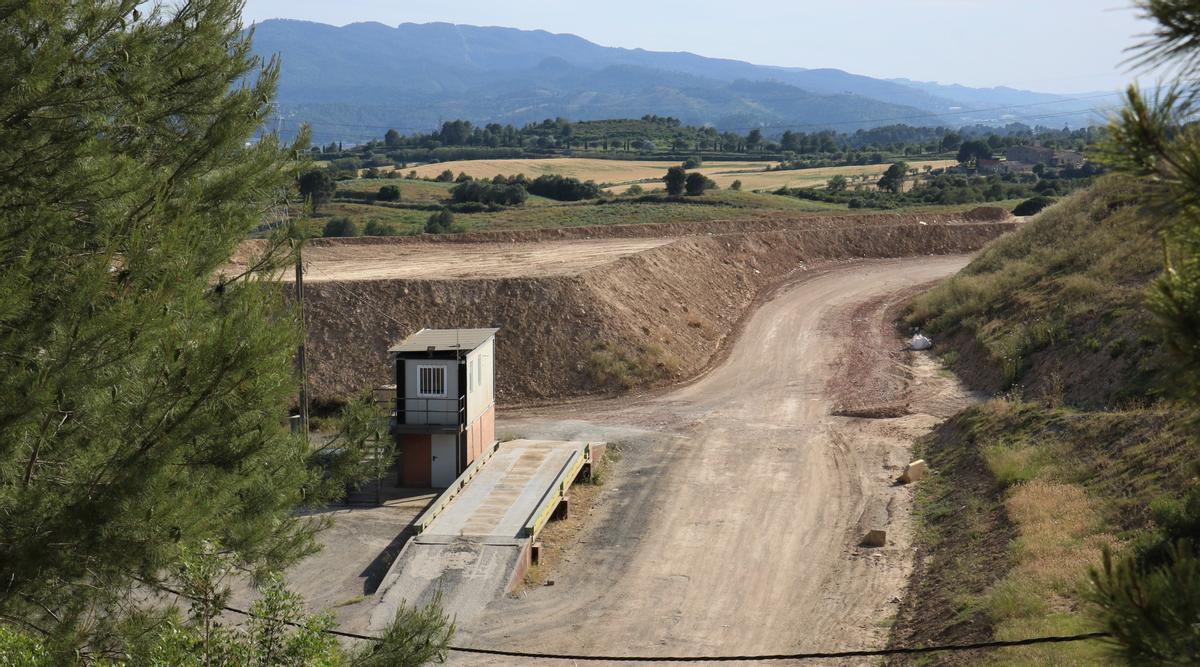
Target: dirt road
x: 732, y: 521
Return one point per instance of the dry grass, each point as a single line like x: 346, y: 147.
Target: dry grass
x: 616, y: 367
x: 1061, y: 535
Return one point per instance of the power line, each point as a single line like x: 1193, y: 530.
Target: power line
x: 762, y: 657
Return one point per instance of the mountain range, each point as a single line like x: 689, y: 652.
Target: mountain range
x: 354, y: 82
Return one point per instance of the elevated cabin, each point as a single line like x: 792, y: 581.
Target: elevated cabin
x: 445, y: 403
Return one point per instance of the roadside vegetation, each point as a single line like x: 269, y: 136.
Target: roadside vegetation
x: 1087, y: 319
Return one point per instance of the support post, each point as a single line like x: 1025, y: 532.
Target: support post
x: 303, y: 339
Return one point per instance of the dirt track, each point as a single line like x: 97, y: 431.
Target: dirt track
x: 731, y: 524
x: 549, y: 258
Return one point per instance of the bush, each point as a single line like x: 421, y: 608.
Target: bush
x: 736, y: 186
x: 696, y: 183
x: 563, y: 188
x: 485, y: 192
x: 339, y: 227
x: 442, y: 222
x: 693, y: 162
x: 445, y: 176
x: 1032, y: 205
x: 634, y: 190
x: 376, y: 228
x: 389, y: 193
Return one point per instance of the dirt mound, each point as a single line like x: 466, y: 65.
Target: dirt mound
x: 653, y: 317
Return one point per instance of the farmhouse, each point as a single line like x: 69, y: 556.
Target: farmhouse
x: 445, y: 403
x: 1044, y: 155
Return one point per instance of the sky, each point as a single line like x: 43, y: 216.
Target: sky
x: 1061, y: 46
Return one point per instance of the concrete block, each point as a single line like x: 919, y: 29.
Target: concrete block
x: 914, y: 471
x: 874, y: 538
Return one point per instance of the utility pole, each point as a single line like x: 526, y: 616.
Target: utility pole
x: 303, y: 339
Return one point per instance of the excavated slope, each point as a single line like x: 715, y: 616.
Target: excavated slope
x: 667, y: 310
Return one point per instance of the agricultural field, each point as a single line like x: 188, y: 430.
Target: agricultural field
x: 419, y: 198
x: 619, y: 175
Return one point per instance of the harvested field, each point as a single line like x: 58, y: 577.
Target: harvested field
x: 601, y: 171
x: 635, y: 313
x: 622, y: 173
x: 509, y: 260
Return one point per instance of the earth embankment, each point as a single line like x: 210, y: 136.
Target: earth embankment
x: 587, y: 309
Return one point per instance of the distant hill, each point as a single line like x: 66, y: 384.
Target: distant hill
x: 356, y: 81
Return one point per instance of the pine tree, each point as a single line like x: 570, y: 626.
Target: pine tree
x: 143, y: 399
x: 1150, y: 599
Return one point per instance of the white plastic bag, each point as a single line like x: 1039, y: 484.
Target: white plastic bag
x: 920, y: 342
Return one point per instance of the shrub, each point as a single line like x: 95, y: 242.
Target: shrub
x: 485, y: 192
x: 693, y: 162
x: 389, y: 193
x: 339, y: 227
x: 1032, y: 205
x: 696, y: 183
x: 563, y: 188
x: 445, y: 177
x: 634, y: 190
x: 735, y: 186
x: 377, y: 228
x: 442, y: 222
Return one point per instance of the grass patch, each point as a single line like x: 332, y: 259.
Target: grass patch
x: 616, y: 367
x: 1063, y: 289
x: 1069, y: 483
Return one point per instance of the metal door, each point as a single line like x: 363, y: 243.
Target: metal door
x: 444, y: 466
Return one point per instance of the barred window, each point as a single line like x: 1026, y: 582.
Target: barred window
x: 431, y: 380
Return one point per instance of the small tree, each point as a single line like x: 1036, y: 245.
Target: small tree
x: 675, y: 180
x: 893, y: 179
x: 389, y: 193
x: 971, y: 152
x: 445, y: 177
x: 735, y: 186
x: 441, y: 222
x: 693, y: 162
x: 696, y: 183
x: 838, y: 183
x: 317, y: 187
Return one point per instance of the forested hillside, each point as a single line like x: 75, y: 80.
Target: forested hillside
x: 356, y: 81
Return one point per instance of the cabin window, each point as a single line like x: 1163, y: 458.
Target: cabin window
x: 431, y: 380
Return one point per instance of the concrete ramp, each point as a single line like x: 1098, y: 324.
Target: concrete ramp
x: 477, y: 545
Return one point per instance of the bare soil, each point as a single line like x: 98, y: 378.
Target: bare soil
x: 558, y: 302
x: 732, y: 522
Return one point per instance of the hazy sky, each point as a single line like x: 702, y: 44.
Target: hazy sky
x: 1049, y: 45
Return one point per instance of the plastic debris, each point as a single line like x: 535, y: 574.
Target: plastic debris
x: 921, y: 342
